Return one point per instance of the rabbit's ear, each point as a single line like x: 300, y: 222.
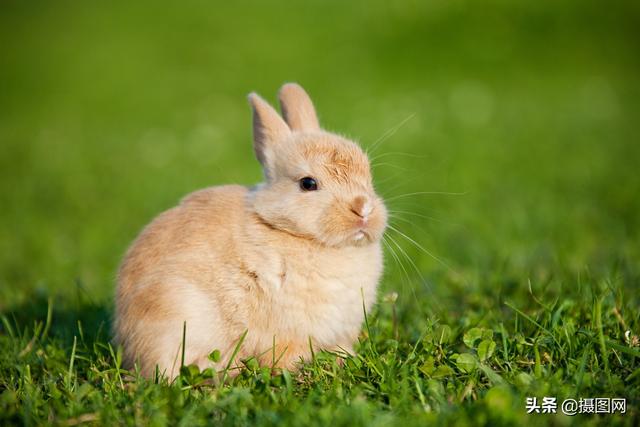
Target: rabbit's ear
x: 268, y: 129
x: 297, y: 108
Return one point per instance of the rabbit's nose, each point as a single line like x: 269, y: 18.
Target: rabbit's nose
x: 361, y: 206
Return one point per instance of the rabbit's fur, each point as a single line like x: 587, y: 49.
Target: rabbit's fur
x: 291, y: 267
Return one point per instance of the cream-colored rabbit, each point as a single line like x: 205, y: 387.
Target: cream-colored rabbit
x: 289, y: 261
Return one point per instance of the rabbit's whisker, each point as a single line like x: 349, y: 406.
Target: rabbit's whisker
x: 394, y: 218
x: 393, y: 211
x: 418, y: 193
x: 396, y: 259
x: 375, y: 165
x: 393, y: 177
x: 423, y: 281
x: 396, y: 153
x: 419, y: 246
x: 388, y: 134
x: 406, y: 180
x: 399, y: 248
x: 405, y: 273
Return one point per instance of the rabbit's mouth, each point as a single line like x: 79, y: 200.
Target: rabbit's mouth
x: 366, y: 229
x: 362, y: 237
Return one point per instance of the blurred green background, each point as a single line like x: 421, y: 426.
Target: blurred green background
x: 110, y: 113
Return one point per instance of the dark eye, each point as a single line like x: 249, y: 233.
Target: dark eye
x: 308, y: 184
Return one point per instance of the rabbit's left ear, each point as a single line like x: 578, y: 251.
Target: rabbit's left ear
x: 268, y: 131
x: 297, y: 108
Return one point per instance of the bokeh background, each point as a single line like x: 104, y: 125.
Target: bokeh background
x: 526, y: 111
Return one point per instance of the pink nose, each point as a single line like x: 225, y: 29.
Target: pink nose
x: 362, y: 207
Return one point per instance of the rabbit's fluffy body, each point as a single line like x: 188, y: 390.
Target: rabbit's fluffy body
x: 295, y: 269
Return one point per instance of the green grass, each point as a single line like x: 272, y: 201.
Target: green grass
x: 518, y: 119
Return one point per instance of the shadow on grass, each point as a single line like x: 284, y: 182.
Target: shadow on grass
x: 59, y: 319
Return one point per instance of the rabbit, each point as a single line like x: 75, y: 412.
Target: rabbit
x: 290, y: 265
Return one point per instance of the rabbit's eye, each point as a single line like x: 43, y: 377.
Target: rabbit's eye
x: 308, y: 184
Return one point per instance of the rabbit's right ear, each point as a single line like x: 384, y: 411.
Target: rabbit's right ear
x: 268, y: 130
x: 297, y: 108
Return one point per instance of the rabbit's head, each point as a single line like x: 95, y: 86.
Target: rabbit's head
x: 318, y: 184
